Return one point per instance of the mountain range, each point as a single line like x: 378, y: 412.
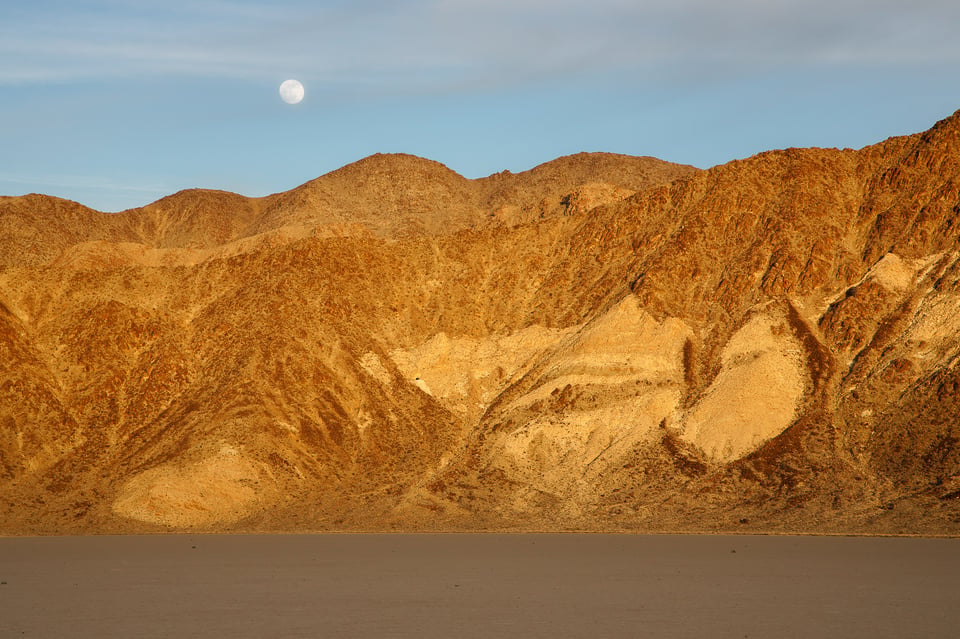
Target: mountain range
x: 602, y: 343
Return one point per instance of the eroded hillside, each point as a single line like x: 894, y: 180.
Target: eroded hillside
x: 603, y: 342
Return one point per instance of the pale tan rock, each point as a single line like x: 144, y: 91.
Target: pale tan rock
x: 756, y: 394
x: 215, y: 490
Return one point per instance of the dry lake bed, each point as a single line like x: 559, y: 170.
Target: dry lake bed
x: 596, y: 586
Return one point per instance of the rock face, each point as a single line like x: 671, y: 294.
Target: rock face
x: 601, y: 343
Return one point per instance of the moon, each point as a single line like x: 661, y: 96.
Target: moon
x: 291, y: 91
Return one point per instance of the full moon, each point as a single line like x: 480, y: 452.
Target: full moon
x: 291, y: 91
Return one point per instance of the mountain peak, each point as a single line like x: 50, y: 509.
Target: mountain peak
x: 395, y: 163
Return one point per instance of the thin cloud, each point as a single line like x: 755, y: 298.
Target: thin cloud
x: 80, y: 181
x: 437, y: 44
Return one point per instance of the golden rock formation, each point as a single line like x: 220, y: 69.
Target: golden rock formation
x: 603, y: 342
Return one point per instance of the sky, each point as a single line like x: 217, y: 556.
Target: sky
x: 115, y: 103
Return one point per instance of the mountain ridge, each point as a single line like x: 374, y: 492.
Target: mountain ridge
x: 764, y: 346
x: 367, y: 195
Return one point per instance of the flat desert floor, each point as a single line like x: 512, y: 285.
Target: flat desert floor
x: 478, y: 586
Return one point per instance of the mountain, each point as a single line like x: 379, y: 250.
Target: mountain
x: 603, y: 342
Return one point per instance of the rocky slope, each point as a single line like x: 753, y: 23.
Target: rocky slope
x: 601, y: 343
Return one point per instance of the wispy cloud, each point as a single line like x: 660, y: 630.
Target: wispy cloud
x: 80, y: 181
x: 443, y: 43
x: 105, y: 194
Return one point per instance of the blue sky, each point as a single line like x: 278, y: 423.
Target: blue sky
x: 115, y: 104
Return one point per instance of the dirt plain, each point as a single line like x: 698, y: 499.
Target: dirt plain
x: 602, y: 343
x: 427, y: 586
